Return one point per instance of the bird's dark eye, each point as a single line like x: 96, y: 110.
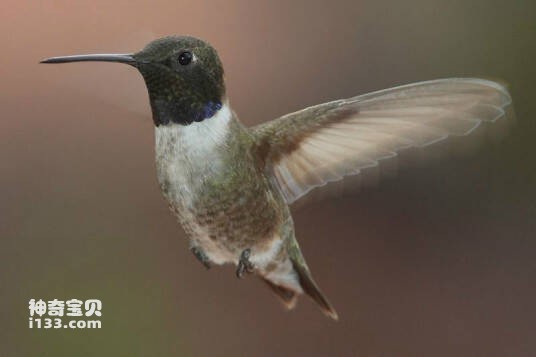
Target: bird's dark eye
x: 185, y: 58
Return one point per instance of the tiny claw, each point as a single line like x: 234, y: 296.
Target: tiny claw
x: 244, y: 265
x: 201, y: 256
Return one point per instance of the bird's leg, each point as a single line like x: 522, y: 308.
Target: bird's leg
x: 244, y: 264
x: 201, y: 256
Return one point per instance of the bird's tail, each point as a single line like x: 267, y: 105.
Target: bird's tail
x: 287, y: 296
x: 293, y: 278
x: 311, y: 288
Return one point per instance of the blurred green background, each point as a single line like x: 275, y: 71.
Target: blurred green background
x: 438, y: 262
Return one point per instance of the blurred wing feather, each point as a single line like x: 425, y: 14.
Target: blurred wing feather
x: 324, y: 143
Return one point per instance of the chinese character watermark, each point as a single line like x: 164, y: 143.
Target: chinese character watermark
x: 55, y: 309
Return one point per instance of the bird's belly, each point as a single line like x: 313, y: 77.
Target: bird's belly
x: 225, y: 205
x: 225, y: 220
x: 183, y: 193
x: 216, y: 247
x: 221, y: 249
x: 223, y: 225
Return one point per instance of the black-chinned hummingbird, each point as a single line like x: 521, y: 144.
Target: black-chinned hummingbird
x: 231, y: 186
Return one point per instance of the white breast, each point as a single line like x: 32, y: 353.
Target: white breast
x: 186, y: 154
x: 185, y: 157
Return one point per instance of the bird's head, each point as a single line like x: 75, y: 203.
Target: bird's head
x: 184, y: 77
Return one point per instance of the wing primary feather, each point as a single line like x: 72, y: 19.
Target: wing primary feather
x: 326, y: 142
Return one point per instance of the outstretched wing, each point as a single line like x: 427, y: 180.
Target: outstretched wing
x: 324, y: 143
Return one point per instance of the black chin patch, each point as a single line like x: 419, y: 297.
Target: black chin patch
x: 208, y: 111
x: 165, y: 112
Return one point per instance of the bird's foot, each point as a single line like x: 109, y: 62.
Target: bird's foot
x: 244, y: 264
x: 201, y: 256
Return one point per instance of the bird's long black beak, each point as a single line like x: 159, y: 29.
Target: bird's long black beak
x: 120, y: 58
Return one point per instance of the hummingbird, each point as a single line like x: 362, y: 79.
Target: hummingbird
x: 231, y: 186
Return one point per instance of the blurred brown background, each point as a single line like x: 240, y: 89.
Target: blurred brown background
x: 438, y: 262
